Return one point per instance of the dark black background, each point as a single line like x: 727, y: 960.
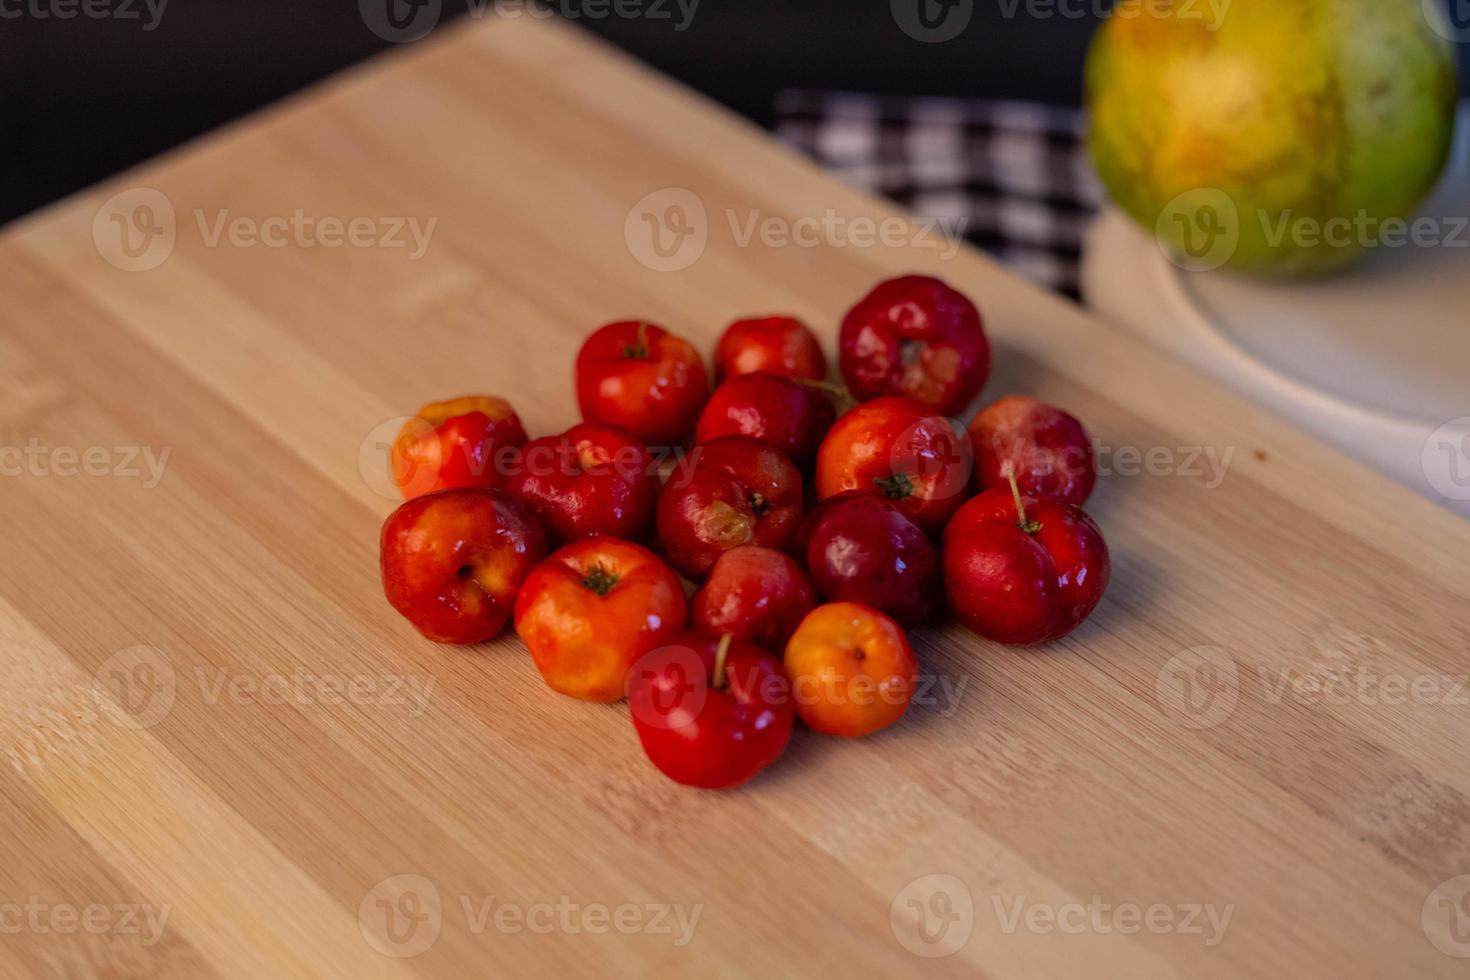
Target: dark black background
x: 84, y: 98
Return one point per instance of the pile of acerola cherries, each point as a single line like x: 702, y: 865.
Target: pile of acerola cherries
x: 817, y: 523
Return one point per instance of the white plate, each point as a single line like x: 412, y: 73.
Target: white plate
x: 1375, y: 360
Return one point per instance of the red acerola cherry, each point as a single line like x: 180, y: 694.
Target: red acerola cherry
x: 1046, y: 448
x: 739, y: 491
x: 903, y: 451
x: 641, y: 377
x: 916, y: 337
x: 1023, y: 570
x: 780, y: 345
x: 757, y: 594
x: 590, y: 480
x: 786, y: 414
x: 862, y: 547
x: 710, y: 713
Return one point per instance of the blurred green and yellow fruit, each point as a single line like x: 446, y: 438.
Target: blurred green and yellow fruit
x: 1270, y: 136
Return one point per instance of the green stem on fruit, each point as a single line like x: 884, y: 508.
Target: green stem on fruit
x: 721, y: 652
x: 1030, y: 527
x: 599, y: 580
x: 838, y: 393
x: 639, y: 350
x: 895, y: 487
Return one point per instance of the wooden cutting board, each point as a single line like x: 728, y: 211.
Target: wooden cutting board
x: 228, y: 757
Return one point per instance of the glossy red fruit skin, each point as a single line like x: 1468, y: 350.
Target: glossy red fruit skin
x: 1021, y: 588
x: 903, y: 451
x: 590, y: 480
x: 757, y: 595
x: 644, y: 379
x: 1048, y: 449
x: 780, y: 412
x: 457, y: 443
x: 738, y: 491
x: 851, y: 668
x: 429, y: 542
x: 862, y: 547
x: 917, y: 337
x: 699, y: 735
x: 779, y: 345
x: 591, y: 609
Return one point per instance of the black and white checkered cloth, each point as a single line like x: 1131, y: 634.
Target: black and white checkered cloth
x: 1014, y: 176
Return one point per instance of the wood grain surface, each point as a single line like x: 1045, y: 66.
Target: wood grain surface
x: 227, y: 756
